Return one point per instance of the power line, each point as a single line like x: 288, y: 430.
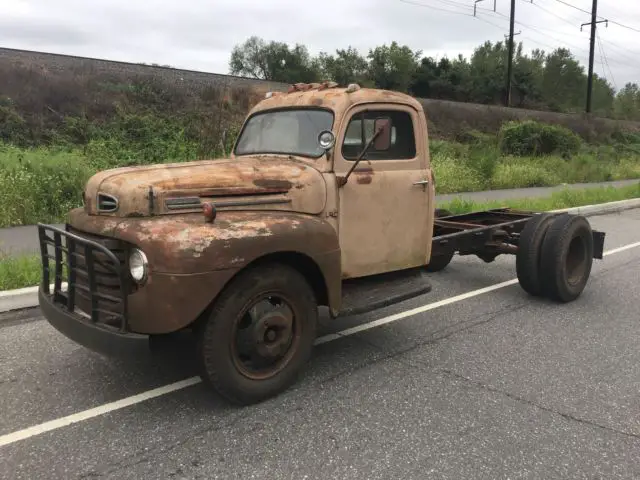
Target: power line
x: 621, y: 51
x: 621, y: 13
x: 549, y: 12
x: 417, y: 4
x: 423, y: 5
x: 568, y: 44
x: 603, y: 56
x: 551, y: 37
x: 572, y: 17
x: 490, y: 23
x: 503, y: 28
x: 610, y: 21
x: 574, y: 7
x: 538, y: 30
x: 625, y: 26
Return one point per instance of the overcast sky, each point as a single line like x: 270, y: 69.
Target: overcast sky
x: 199, y: 34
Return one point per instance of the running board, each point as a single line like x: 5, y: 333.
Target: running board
x: 361, y: 295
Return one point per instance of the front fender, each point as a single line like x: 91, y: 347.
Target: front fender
x: 184, y: 250
x: 189, y: 245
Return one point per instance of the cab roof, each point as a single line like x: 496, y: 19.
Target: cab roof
x: 329, y: 95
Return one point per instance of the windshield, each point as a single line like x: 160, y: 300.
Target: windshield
x: 291, y: 132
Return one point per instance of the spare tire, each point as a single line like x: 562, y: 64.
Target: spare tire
x: 528, y: 256
x: 566, y: 258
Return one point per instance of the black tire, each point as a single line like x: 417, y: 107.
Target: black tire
x: 219, y: 357
x: 566, y: 258
x: 440, y: 262
x: 528, y: 256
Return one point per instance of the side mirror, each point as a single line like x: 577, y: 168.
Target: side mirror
x: 383, y: 140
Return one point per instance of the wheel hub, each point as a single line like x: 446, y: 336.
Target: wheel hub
x: 272, y: 334
x: 265, y: 337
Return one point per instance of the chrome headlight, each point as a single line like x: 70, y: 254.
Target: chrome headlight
x: 138, y: 265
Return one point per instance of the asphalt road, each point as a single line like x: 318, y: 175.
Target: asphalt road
x: 495, y: 386
x: 24, y: 240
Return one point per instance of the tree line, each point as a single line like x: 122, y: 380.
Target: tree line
x: 553, y: 81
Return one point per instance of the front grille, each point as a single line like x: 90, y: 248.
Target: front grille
x: 95, y: 270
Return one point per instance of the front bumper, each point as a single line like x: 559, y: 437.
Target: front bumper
x: 101, y: 305
x: 97, y: 285
x: 99, y: 338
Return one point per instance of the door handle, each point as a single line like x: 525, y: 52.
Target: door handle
x: 421, y: 182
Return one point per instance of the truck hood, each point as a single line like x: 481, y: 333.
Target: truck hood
x: 254, y: 183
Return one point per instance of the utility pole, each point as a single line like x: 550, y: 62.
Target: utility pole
x: 592, y: 43
x: 510, y: 75
x: 510, y: 60
x: 475, y: 6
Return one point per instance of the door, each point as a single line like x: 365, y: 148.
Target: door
x: 385, y: 211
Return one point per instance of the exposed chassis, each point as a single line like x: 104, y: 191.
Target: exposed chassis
x: 488, y: 234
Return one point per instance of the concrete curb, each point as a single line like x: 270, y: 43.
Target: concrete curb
x: 28, y: 297
x: 602, y: 208
x: 21, y: 298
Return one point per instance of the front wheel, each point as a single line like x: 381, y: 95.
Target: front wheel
x: 259, y: 335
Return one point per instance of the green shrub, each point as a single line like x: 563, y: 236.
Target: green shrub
x: 12, y: 126
x: 474, y: 137
x: 484, y: 159
x: 627, y: 138
x: 626, y: 169
x: 448, y: 149
x: 522, y: 175
x: 40, y: 184
x: 530, y: 138
x: 453, y: 175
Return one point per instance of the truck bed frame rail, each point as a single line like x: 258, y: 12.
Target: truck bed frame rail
x: 488, y: 233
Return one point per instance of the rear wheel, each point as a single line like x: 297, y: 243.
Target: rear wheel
x: 440, y: 262
x: 566, y: 258
x: 259, y: 335
x: 528, y: 256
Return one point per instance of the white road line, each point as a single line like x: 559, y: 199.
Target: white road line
x: 157, y: 392
x: 621, y: 249
x: 96, y: 411
x: 413, y: 311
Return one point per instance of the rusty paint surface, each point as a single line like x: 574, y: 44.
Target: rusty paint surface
x: 363, y: 179
x: 183, y: 248
x: 385, y: 220
x: 255, y: 177
x: 337, y: 100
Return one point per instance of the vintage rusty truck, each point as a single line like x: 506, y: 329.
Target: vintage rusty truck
x: 328, y: 199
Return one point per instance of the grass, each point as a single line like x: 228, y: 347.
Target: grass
x: 25, y: 271
x: 567, y: 198
x: 19, y: 272
x: 480, y: 166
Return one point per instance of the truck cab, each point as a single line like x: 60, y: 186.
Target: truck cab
x: 380, y: 204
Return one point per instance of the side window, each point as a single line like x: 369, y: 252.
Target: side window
x: 360, y: 130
